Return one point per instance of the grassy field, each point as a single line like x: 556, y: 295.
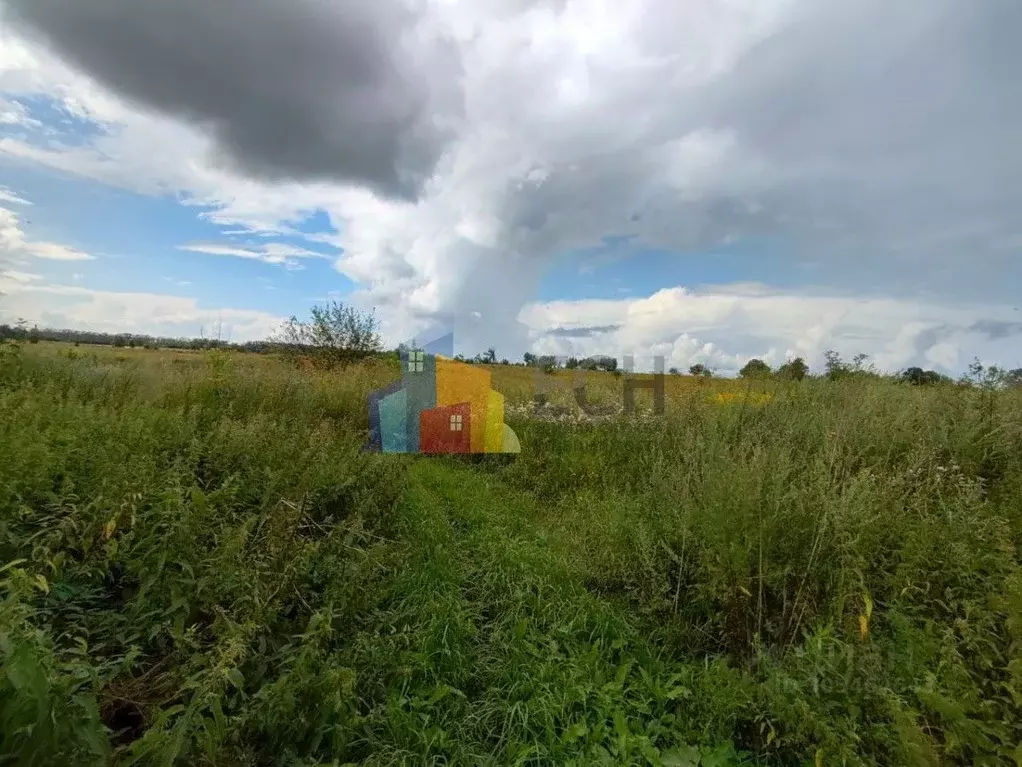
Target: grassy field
x: 198, y: 565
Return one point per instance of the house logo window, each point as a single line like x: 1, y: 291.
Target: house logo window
x: 456, y: 423
x: 415, y: 361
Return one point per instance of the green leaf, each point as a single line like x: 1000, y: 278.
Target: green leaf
x: 520, y: 628
x: 721, y: 756
x: 578, y: 730
x: 621, y: 724
x: 42, y: 584
x: 678, y: 692
x: 235, y: 677
x: 25, y: 673
x: 199, y: 499
x: 682, y: 756
x: 622, y: 671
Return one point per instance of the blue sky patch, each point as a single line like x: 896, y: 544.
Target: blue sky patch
x: 60, y: 124
x: 622, y: 269
x: 137, y: 243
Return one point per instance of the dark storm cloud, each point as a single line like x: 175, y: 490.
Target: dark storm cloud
x: 291, y: 89
x: 889, y: 133
x: 992, y: 330
x: 876, y: 143
x: 995, y: 330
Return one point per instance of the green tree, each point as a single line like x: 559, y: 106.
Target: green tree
x: 794, y: 370
x: 860, y: 366
x: 919, y: 377
x: 992, y: 377
x: 755, y: 368
x: 699, y: 369
x: 599, y: 362
x: 834, y: 365
x: 335, y: 335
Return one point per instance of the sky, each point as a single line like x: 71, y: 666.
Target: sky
x: 704, y: 180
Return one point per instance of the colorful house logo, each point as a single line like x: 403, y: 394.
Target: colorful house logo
x: 440, y: 405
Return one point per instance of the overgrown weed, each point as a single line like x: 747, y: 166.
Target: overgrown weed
x: 200, y: 566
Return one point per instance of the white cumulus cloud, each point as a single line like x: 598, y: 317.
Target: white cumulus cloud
x: 16, y: 248
x: 66, y: 306
x: 269, y: 253
x: 724, y: 327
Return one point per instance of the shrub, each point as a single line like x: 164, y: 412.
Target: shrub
x: 919, y: 377
x: 755, y: 368
x: 793, y: 370
x: 336, y: 335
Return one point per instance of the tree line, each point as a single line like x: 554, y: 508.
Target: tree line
x: 21, y: 332
x: 337, y: 334
x: 835, y: 368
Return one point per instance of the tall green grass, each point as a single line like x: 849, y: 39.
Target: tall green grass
x: 853, y: 549
x: 198, y: 565
x: 175, y: 540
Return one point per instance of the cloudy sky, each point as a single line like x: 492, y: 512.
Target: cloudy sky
x: 708, y: 180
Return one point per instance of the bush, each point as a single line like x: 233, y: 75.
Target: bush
x: 171, y: 544
x: 755, y: 368
x: 793, y: 370
x: 919, y: 377
x: 859, y: 367
x: 336, y: 335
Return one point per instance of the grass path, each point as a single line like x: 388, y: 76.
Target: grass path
x: 497, y: 651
